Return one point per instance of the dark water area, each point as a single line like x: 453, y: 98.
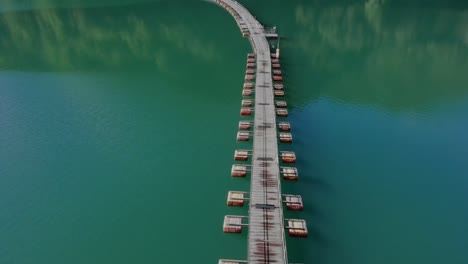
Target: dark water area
x: 118, y: 123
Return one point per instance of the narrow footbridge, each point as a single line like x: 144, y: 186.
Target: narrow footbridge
x: 264, y: 163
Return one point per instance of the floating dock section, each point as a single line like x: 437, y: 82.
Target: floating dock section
x: 263, y: 162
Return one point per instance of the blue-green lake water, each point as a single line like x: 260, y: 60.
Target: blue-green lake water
x: 118, y: 123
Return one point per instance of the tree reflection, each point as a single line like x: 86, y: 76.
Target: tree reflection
x: 96, y: 38
x: 379, y: 52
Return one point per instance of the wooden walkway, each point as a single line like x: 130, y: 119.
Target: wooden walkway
x: 266, y: 232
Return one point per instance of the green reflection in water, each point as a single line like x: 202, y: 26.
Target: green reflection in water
x: 90, y: 39
x: 395, y: 55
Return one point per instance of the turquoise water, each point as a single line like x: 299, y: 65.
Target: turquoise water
x: 118, y: 123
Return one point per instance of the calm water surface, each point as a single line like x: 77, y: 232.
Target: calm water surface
x: 118, y: 123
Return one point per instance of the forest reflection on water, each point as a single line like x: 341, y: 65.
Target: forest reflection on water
x: 396, y: 56
x: 93, y: 39
x: 384, y: 53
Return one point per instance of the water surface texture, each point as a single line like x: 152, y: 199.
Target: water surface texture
x: 118, y: 123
